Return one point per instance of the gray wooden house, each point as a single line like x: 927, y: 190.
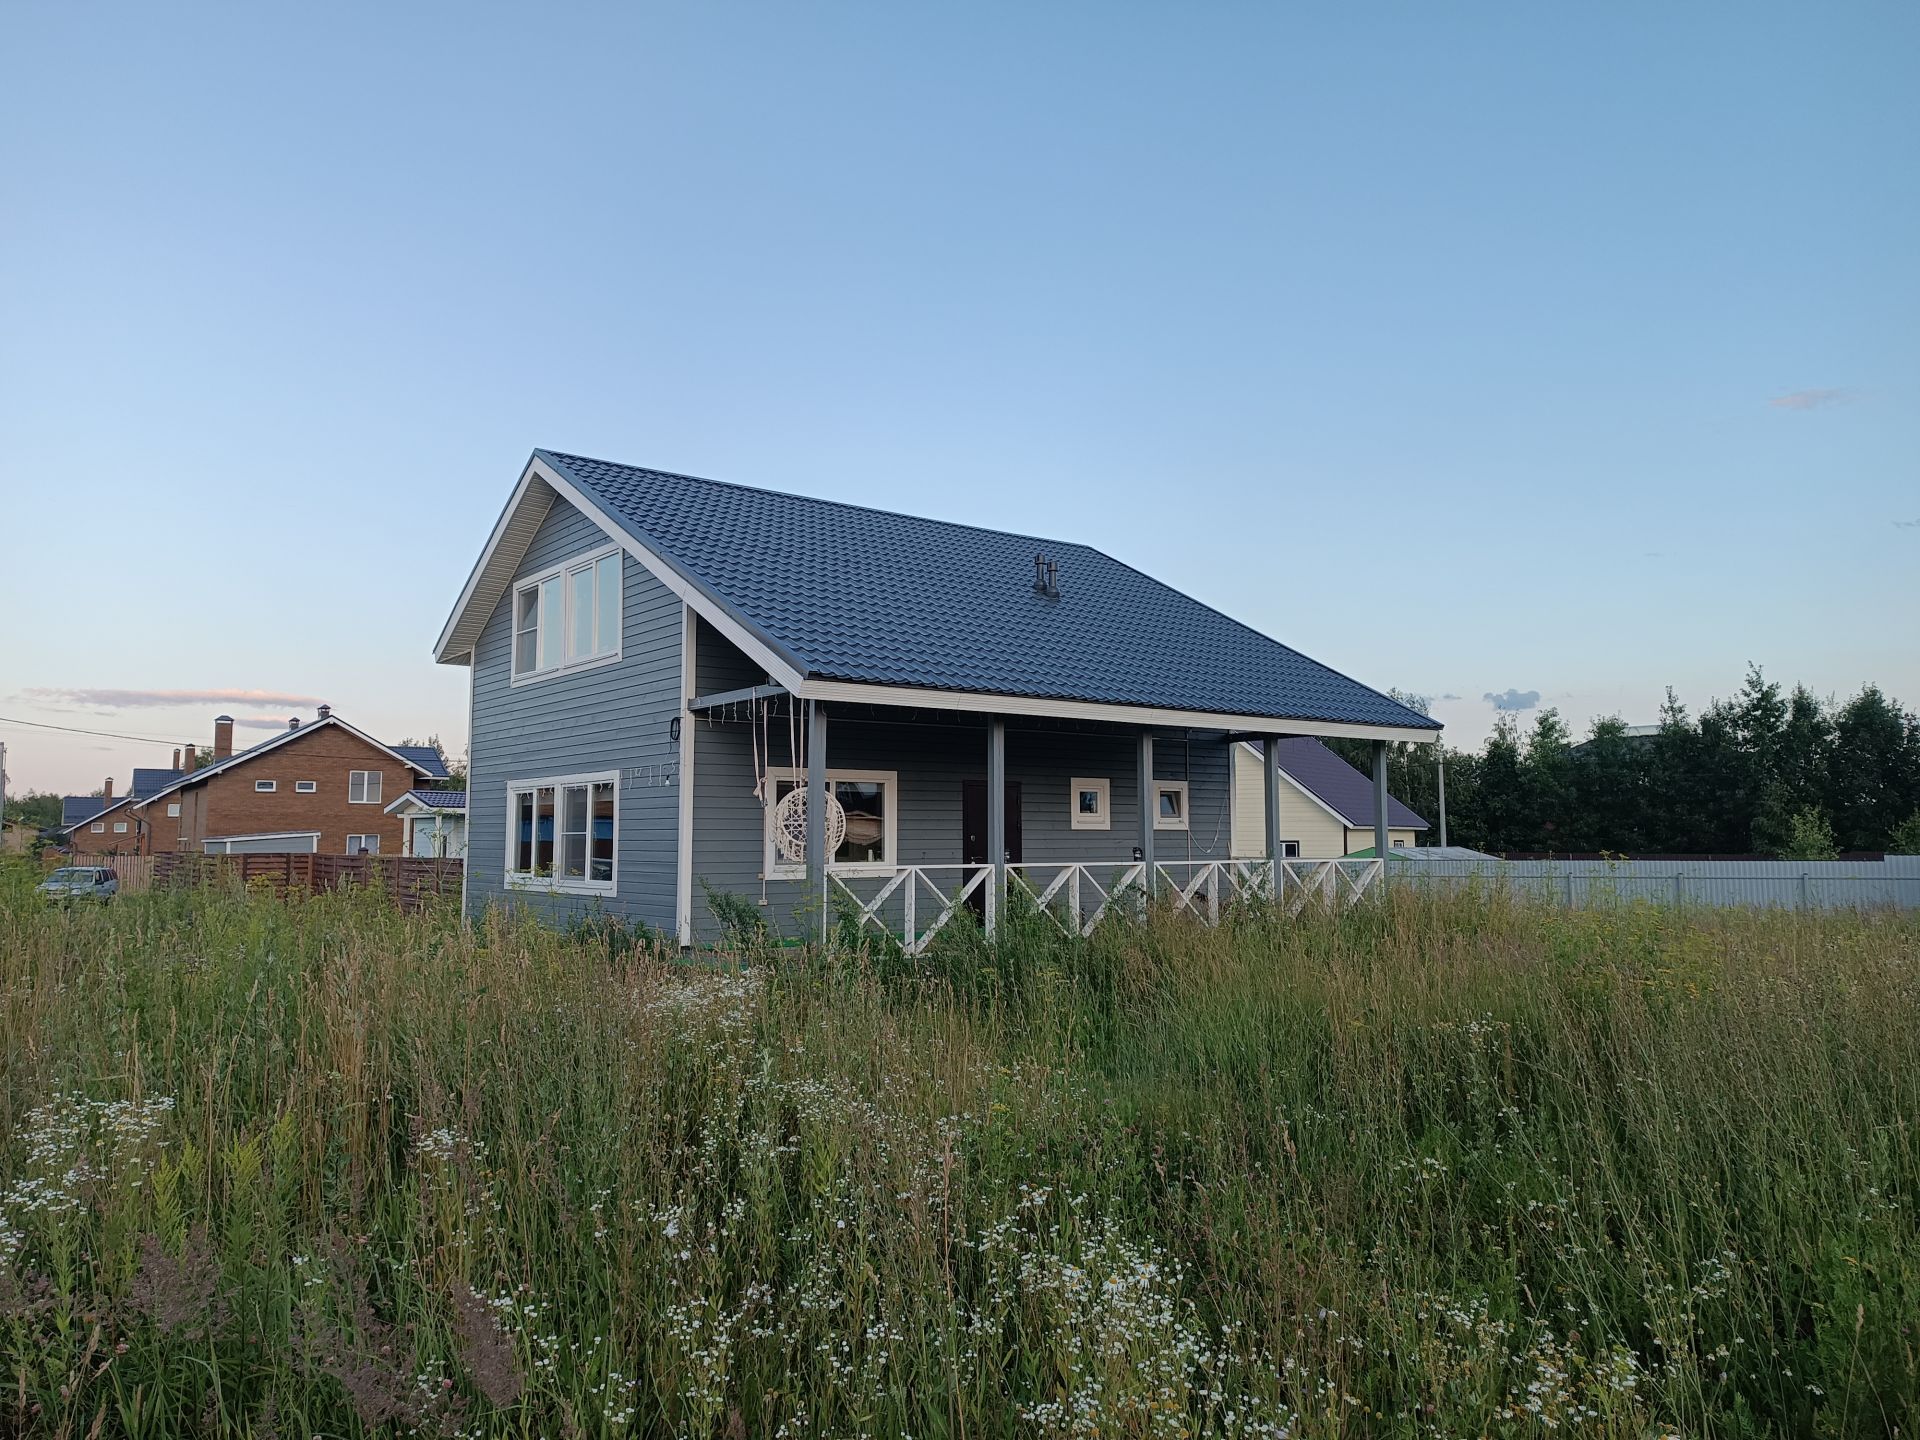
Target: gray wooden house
x: 665, y: 670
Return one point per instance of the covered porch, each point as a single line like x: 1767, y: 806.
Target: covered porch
x: 938, y: 810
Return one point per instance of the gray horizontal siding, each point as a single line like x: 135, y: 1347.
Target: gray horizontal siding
x: 933, y: 754
x: 615, y: 717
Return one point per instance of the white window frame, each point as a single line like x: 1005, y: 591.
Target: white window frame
x: 173, y: 809
x: 306, y: 787
x: 775, y: 866
x: 1161, y: 787
x: 369, y: 780
x: 99, y: 827
x: 564, y: 884
x: 1103, y: 820
x: 1289, y: 849
x: 265, y: 787
x: 119, y: 827
x: 545, y: 667
x: 371, y: 849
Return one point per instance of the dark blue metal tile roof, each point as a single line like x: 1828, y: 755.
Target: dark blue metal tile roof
x: 856, y: 594
x: 1344, y: 789
x: 425, y: 757
x: 149, y: 781
x: 77, y: 808
x: 440, y: 799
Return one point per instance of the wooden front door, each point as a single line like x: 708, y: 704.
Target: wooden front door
x: 973, y: 831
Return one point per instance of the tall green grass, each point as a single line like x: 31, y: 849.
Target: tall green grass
x: 1429, y: 1168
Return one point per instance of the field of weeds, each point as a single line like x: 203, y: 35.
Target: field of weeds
x: 1450, y: 1168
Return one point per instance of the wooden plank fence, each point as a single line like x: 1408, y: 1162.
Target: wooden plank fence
x: 409, y: 881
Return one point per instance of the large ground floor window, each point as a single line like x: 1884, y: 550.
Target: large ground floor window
x: 870, y: 801
x: 562, y: 832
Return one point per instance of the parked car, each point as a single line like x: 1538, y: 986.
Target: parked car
x: 81, y: 882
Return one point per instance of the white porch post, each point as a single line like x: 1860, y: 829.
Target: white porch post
x: 996, y: 820
x: 1380, y: 805
x: 1271, y: 776
x: 1148, y: 809
x: 817, y: 809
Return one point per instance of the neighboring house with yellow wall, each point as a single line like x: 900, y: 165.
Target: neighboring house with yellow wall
x: 1326, y: 806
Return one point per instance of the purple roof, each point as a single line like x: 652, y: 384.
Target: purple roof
x: 1340, y: 787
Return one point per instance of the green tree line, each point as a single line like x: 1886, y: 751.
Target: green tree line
x: 1767, y: 772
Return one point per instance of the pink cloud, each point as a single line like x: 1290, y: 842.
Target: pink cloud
x: 1810, y: 399
x: 126, y: 699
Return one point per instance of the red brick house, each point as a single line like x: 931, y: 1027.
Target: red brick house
x: 320, y: 788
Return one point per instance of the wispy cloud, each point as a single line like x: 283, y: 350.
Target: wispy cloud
x: 1810, y: 399
x: 261, y: 722
x: 154, y: 699
x: 1513, y: 699
x: 1449, y: 696
x: 1906, y: 524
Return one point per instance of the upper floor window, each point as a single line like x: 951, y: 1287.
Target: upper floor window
x: 363, y: 787
x: 568, y: 616
x: 119, y: 827
x: 305, y: 787
x: 266, y: 787
x: 173, y: 809
x: 99, y: 827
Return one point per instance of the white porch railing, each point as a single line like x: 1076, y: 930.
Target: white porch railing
x: 912, y: 902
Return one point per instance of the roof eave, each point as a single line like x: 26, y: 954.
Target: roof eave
x: 860, y: 692
x: 478, y: 601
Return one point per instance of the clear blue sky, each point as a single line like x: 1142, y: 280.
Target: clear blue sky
x: 1469, y: 349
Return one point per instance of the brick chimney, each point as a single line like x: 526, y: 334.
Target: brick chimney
x: 189, y: 758
x: 106, y: 791
x: 222, y: 736
x: 176, y: 757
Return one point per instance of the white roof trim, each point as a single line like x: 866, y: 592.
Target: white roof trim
x: 1091, y: 710
x: 423, y: 807
x: 462, y: 630
x: 104, y: 810
x: 253, y: 751
x: 1346, y: 822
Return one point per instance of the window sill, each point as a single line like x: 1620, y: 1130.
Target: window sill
x: 863, y: 871
x: 534, y: 677
x: 560, y: 886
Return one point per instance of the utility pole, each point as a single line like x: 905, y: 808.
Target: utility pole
x: 1440, y: 760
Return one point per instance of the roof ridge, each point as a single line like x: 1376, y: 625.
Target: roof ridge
x: 564, y: 456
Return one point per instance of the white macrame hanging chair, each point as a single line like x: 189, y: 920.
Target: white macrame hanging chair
x: 790, y: 824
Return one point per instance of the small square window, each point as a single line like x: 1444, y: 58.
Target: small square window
x: 99, y: 827
x: 173, y: 809
x: 305, y: 787
x: 266, y: 787
x: 1170, y: 805
x: 1090, y: 799
x: 119, y: 827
